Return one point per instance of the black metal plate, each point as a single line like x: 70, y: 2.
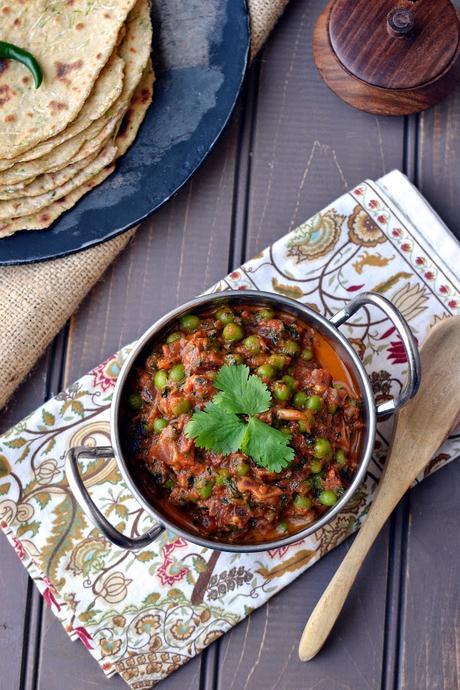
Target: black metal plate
x: 200, y: 51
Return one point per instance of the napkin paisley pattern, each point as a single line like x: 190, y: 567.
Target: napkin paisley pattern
x: 146, y: 613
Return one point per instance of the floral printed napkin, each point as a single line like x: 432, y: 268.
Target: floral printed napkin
x: 144, y: 614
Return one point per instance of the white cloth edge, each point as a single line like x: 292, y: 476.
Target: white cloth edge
x: 430, y: 229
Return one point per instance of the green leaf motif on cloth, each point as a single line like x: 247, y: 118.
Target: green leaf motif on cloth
x: 31, y: 528
x: 42, y: 499
x: 292, y: 291
x: 48, y: 418
x: 16, y: 442
x: 67, y: 527
x: 390, y: 282
x: 5, y: 468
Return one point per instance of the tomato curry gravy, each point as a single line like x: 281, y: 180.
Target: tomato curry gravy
x: 230, y: 498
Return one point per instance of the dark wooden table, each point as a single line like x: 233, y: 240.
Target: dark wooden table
x: 291, y: 148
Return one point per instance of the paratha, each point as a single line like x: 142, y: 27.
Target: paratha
x: 128, y: 131
x: 72, y: 42
x: 106, y: 90
x: 59, y: 157
x: 133, y: 54
x: 45, y: 183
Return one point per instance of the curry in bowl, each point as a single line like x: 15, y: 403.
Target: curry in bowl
x: 242, y: 424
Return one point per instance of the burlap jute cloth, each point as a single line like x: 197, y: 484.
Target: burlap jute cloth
x: 36, y: 300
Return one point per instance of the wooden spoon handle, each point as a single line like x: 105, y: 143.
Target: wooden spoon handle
x: 419, y: 431
x: 327, y: 609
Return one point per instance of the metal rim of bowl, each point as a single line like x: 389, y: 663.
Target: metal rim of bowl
x: 306, y: 314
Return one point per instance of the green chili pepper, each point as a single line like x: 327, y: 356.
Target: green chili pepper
x: 8, y: 51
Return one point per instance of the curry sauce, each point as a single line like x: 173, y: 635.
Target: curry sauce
x: 231, y: 498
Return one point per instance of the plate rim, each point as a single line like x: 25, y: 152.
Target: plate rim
x: 120, y: 231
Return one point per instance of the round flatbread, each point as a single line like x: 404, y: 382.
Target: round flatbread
x: 106, y: 90
x: 128, y: 130
x: 133, y: 54
x: 72, y: 41
x: 59, y: 157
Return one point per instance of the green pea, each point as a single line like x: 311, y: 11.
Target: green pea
x: 277, y: 361
x: 190, y: 322
x: 266, y: 371
x: 172, y: 337
x: 290, y: 381
x: 314, y: 403
x: 307, y: 484
x: 322, y: 448
x: 252, y: 343
x: 302, y: 426
x: 316, y: 481
x: 159, y: 425
x: 160, y: 379
x: 182, y: 406
x: 205, y: 490
x: 242, y: 469
x: 306, y: 355
x: 290, y: 347
x: 232, y: 332
x: 315, y: 467
x: 281, y: 391
x: 341, y: 457
x: 225, y: 316
x: 169, y: 484
x: 285, y: 430
x: 300, y: 400
x: 282, y: 526
x: 327, y: 498
x: 302, y: 502
x: 265, y: 314
x: 332, y: 408
x: 233, y: 359
x: 135, y: 401
x: 222, y: 476
x: 177, y: 373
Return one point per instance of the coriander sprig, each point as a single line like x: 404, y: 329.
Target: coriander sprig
x: 228, y: 423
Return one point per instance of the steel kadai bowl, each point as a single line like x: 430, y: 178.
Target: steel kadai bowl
x: 330, y: 330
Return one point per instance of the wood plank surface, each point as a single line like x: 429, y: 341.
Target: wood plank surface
x: 291, y: 148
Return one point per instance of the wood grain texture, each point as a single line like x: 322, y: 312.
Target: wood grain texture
x: 361, y: 38
x: 374, y: 71
x: 430, y: 620
x: 308, y: 147
x: 294, y: 149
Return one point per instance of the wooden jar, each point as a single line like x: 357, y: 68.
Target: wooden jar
x: 389, y: 57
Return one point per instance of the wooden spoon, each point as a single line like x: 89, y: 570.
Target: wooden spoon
x: 420, y: 429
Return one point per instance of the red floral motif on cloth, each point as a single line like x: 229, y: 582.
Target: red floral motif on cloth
x: 170, y: 571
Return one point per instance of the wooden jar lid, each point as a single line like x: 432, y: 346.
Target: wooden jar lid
x: 364, y: 40
x: 389, y: 56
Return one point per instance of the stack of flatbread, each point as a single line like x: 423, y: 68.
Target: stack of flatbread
x: 59, y: 141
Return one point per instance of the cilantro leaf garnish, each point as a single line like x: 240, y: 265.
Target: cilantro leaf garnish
x: 241, y: 392
x: 267, y: 446
x: 215, y: 429
x: 219, y: 428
